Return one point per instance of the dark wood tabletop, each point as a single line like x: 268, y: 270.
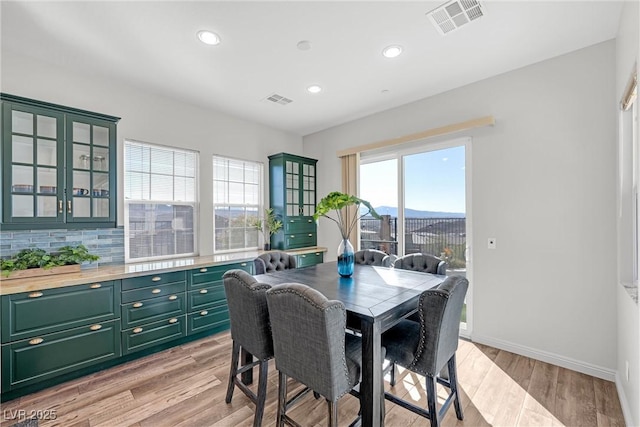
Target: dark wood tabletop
x: 376, y: 298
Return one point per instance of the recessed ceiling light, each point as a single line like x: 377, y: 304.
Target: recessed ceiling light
x: 207, y: 37
x: 314, y: 89
x: 392, y: 51
x: 304, y: 45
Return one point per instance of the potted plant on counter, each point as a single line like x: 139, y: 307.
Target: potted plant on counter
x: 268, y: 226
x: 38, y: 262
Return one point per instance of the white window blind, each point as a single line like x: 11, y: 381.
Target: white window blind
x: 160, y: 186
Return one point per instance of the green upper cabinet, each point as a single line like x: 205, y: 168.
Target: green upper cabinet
x: 292, y: 181
x: 59, y: 166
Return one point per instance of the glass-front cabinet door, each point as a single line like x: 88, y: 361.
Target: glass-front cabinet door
x: 300, y: 184
x: 90, y: 170
x: 33, y: 178
x: 58, y: 166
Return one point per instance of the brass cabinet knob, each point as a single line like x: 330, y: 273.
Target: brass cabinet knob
x: 137, y: 305
x: 292, y: 236
x: 203, y: 270
x: 137, y: 330
x: 244, y: 264
x: 173, y: 297
x: 156, y: 279
x: 95, y: 286
x: 317, y: 253
x: 203, y: 291
x: 174, y: 320
x: 303, y: 256
x: 156, y: 291
x: 35, y: 294
x: 204, y: 313
x: 95, y: 327
x: 309, y: 220
x: 310, y: 235
x: 36, y: 341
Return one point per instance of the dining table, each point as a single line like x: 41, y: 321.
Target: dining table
x: 376, y: 298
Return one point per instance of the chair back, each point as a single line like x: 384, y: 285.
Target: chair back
x: 274, y: 261
x: 248, y: 312
x: 372, y: 257
x: 422, y: 262
x: 439, y: 310
x: 309, y: 339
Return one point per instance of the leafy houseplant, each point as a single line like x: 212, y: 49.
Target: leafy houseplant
x: 268, y: 226
x: 337, y: 203
x: 39, y: 258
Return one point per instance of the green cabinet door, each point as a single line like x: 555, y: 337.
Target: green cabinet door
x: 47, y: 356
x: 153, y: 334
x: 305, y: 260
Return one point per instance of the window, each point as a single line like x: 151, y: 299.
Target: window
x: 160, y: 192
x: 237, y: 202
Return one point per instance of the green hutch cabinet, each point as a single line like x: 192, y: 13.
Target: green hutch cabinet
x: 59, y: 166
x: 292, y: 181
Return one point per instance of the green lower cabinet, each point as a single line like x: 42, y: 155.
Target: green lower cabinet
x: 147, y: 311
x: 213, y: 319
x: 300, y: 240
x: 306, y: 260
x: 152, y: 334
x: 203, y: 298
x: 206, y: 276
x: 153, y: 292
x: 44, y: 357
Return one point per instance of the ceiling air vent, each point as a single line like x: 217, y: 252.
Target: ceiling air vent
x: 454, y: 14
x: 278, y: 99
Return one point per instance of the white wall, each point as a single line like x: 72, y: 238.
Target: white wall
x: 151, y: 118
x: 628, y: 331
x: 543, y: 184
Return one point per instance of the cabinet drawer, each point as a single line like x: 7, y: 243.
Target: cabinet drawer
x: 313, y: 258
x: 152, y: 334
x: 300, y: 240
x: 147, y: 311
x: 41, y: 312
x: 303, y: 224
x: 203, y: 298
x: 207, y: 276
x: 46, y: 356
x: 215, y: 320
x: 152, y: 292
x: 153, y: 280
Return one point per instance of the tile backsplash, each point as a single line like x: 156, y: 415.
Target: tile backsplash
x: 107, y: 243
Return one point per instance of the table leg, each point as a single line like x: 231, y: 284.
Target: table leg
x: 246, y: 357
x: 371, y: 387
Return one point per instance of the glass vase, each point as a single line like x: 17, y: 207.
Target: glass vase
x: 346, y: 259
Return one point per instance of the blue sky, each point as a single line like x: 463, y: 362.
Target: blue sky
x: 434, y: 181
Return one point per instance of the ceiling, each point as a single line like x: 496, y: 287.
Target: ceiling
x: 153, y: 45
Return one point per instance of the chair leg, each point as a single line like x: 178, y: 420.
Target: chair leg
x: 392, y: 380
x: 333, y: 413
x: 431, y: 400
x: 235, y: 355
x: 453, y: 381
x: 262, y: 393
x: 282, y: 398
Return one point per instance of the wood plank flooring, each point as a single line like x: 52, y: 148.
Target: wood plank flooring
x: 186, y: 386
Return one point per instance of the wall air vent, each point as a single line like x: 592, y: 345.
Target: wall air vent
x: 454, y: 14
x: 278, y: 99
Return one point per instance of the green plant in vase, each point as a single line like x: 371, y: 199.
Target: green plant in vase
x: 336, y: 204
x: 268, y: 226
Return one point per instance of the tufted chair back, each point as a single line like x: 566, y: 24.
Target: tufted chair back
x: 372, y: 257
x: 274, y: 261
x: 422, y: 262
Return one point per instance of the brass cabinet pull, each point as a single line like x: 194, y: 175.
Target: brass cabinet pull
x: 310, y: 235
x: 292, y: 236
x: 156, y: 278
x: 68, y: 206
x: 95, y: 286
x: 60, y: 206
x: 173, y: 297
x: 203, y: 270
x: 244, y: 264
x: 204, y: 313
x: 137, y: 330
x: 35, y: 294
x: 317, y: 253
x: 156, y: 291
x: 95, y: 327
x: 291, y: 221
x: 137, y: 305
x: 309, y: 220
x: 36, y: 341
x: 204, y: 291
x: 303, y: 256
x: 174, y: 320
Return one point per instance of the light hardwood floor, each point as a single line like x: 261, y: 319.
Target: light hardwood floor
x: 186, y: 385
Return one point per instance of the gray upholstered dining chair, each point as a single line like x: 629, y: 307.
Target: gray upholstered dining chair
x: 372, y: 257
x: 251, y: 331
x: 428, y: 347
x: 274, y: 261
x: 310, y: 346
x: 421, y: 262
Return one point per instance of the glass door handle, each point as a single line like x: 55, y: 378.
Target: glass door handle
x: 68, y: 206
x: 60, y: 206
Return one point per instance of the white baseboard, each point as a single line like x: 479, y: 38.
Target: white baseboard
x: 545, y: 356
x: 626, y: 411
